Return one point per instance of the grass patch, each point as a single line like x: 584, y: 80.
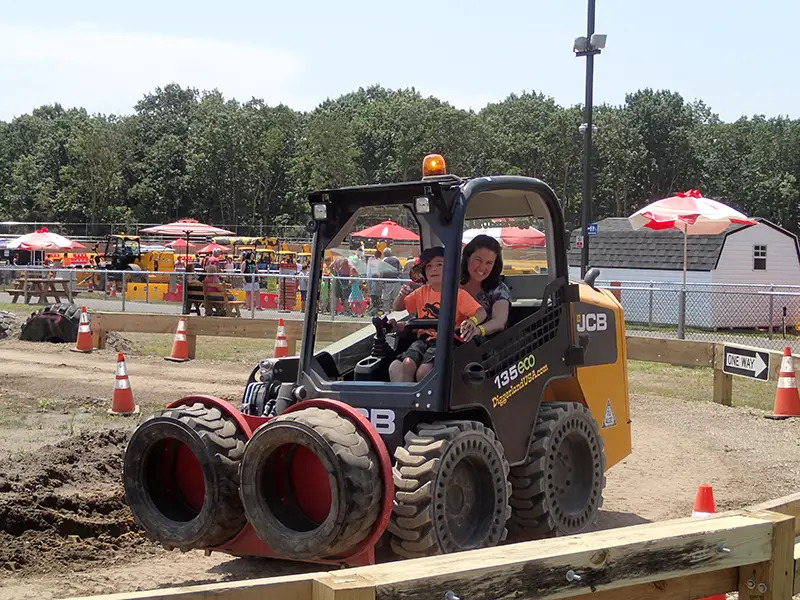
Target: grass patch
x: 245, y: 350
x: 696, y: 384
x: 23, y: 310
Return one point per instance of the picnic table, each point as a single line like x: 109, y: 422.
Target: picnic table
x: 42, y: 288
x: 214, y: 297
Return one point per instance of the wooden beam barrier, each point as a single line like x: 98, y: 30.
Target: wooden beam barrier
x: 693, y: 353
x: 103, y: 322
x: 749, y: 552
x: 681, y: 353
x: 787, y: 505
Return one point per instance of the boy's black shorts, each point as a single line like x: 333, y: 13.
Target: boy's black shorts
x: 421, y: 351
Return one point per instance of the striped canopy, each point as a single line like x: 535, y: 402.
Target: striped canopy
x: 509, y: 237
x: 689, y: 212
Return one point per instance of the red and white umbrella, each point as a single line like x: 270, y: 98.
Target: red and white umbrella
x: 689, y: 212
x: 387, y: 230
x: 693, y: 214
x: 41, y: 239
x: 509, y: 237
x: 187, y: 228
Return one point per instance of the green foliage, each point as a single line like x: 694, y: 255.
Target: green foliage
x: 183, y: 153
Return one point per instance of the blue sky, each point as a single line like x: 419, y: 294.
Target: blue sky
x: 735, y: 55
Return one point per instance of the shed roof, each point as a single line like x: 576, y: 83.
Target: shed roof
x: 618, y: 245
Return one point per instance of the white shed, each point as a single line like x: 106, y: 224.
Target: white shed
x: 721, y: 272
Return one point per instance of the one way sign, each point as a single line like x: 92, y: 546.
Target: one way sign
x: 746, y: 362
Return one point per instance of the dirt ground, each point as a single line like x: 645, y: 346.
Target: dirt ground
x: 65, y: 529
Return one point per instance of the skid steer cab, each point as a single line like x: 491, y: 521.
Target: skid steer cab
x: 508, y: 436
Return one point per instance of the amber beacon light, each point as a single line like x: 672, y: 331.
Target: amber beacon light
x: 433, y: 164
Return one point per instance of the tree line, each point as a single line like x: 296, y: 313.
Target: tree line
x: 183, y: 153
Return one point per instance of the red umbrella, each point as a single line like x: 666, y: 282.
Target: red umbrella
x: 211, y: 247
x: 181, y: 244
x: 509, y: 237
x: 388, y: 230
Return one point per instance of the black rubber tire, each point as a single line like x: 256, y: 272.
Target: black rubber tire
x: 9, y: 325
x: 57, y: 323
x: 161, y: 510
x: 426, y: 473
x: 542, y: 505
x: 353, y: 475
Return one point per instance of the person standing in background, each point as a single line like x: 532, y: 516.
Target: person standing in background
x: 374, y: 284
x: 251, y: 286
x: 302, y: 286
x: 390, y: 270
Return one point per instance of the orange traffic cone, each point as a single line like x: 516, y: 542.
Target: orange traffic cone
x: 112, y: 292
x: 122, y: 400
x: 703, y: 502
x: 787, y: 400
x: 84, y: 341
x: 703, y: 509
x: 281, y: 344
x: 180, y: 347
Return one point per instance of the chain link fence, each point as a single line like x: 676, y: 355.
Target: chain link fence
x: 95, y: 231
x: 757, y: 315
x: 263, y: 295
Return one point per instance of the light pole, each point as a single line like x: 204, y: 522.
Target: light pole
x: 588, y: 46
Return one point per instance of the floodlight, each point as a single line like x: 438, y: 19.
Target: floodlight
x: 598, y: 41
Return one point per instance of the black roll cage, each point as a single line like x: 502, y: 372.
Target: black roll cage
x: 449, y: 197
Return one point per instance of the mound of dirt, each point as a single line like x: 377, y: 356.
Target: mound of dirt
x: 9, y: 325
x: 64, y: 504
x: 120, y: 343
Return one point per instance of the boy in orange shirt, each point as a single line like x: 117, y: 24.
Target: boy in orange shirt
x: 416, y: 362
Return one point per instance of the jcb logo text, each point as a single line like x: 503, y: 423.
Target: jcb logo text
x: 592, y: 322
x: 382, y: 419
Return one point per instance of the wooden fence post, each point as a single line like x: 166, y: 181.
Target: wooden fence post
x: 774, y: 579
x: 723, y: 382
x: 349, y: 587
x: 723, y: 388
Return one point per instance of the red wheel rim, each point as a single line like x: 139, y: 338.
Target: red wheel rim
x: 181, y: 473
x: 300, y: 481
x: 310, y: 484
x: 189, y: 477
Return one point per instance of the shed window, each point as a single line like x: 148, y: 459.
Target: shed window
x: 759, y: 258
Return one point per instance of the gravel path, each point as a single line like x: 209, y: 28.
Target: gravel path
x: 676, y: 446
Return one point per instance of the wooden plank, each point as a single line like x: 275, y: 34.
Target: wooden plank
x: 787, y: 505
x: 796, y: 589
x: 292, y: 587
x: 606, y: 560
x: 217, y: 326
x: 191, y: 345
x: 334, y: 587
x: 690, y: 587
x: 723, y: 388
x: 772, y: 579
x: 775, y: 364
x: 684, y: 353
x: 98, y: 338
